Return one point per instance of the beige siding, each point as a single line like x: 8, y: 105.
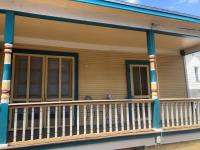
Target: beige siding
x: 171, y: 77
x: 102, y: 73
x: 1, y: 67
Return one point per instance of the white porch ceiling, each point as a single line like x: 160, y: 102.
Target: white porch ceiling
x: 39, y: 32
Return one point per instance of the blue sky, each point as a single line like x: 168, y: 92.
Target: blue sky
x: 184, y: 6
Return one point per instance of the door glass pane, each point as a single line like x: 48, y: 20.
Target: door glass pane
x: 36, y: 64
x: 66, y: 78
x: 144, y: 80
x: 20, y: 78
x: 53, y: 78
x: 136, y: 81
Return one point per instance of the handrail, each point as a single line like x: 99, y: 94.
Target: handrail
x: 80, y: 102
x: 179, y: 99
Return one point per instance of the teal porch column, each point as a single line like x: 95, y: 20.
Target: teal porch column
x: 6, y: 80
x: 153, y: 78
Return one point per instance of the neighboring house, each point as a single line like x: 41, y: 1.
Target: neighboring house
x: 192, y: 62
x: 95, y: 74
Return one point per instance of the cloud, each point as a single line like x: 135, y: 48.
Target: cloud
x: 132, y: 1
x: 188, y: 1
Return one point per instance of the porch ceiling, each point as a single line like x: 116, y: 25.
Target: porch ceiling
x: 69, y: 35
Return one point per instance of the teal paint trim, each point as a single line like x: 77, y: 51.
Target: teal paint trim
x: 128, y: 77
x: 9, y: 27
x: 153, y: 76
x: 151, y: 42
x: 141, y: 10
x: 93, y: 23
x: 151, y: 49
x: 7, y: 71
x: 156, y: 114
x: 3, y: 123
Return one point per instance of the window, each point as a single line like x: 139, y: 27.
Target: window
x: 42, y: 78
x: 196, y: 70
x: 138, y: 79
x: 140, y: 87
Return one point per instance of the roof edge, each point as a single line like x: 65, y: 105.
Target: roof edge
x: 143, y: 9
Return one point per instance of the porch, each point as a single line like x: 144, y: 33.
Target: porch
x: 69, y: 82
x: 97, y: 119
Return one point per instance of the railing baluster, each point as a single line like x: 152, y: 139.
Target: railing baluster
x: 144, y: 115
x: 32, y: 122
x: 84, y: 115
x: 24, y: 125
x: 133, y: 116
x: 91, y: 118
x: 116, y: 118
x: 149, y: 114
x: 122, y: 117
x: 56, y: 121
x: 104, y: 118
x: 40, y: 123
x: 163, y: 114
x: 181, y: 113
x: 198, y: 112
x: 186, y: 114
x: 63, y: 121
x: 97, y: 118
x: 127, y: 117
x: 190, y: 113
x: 138, y: 115
x: 71, y: 120
x: 194, y: 112
x: 167, y: 114
x: 78, y: 119
x: 177, y: 116
x: 172, y: 113
x: 48, y: 122
x: 15, y: 125
x: 110, y: 118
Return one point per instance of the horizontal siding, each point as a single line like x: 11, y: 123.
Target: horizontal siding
x: 171, y: 76
x: 102, y: 73
x: 1, y: 67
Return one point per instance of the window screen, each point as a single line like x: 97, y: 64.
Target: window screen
x: 140, y: 81
x: 20, y: 78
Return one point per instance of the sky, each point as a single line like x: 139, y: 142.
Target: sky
x: 185, y: 6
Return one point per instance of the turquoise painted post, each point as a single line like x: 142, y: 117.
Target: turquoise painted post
x: 6, y: 80
x: 153, y: 78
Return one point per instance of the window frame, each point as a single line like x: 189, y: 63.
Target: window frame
x: 47, y: 54
x: 196, y: 72
x: 129, y: 77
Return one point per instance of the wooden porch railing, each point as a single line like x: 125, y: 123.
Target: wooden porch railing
x: 47, y: 120
x: 180, y: 112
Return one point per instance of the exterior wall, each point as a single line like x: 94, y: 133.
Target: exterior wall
x: 171, y: 77
x: 1, y: 66
x: 102, y: 73
x: 191, y: 61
